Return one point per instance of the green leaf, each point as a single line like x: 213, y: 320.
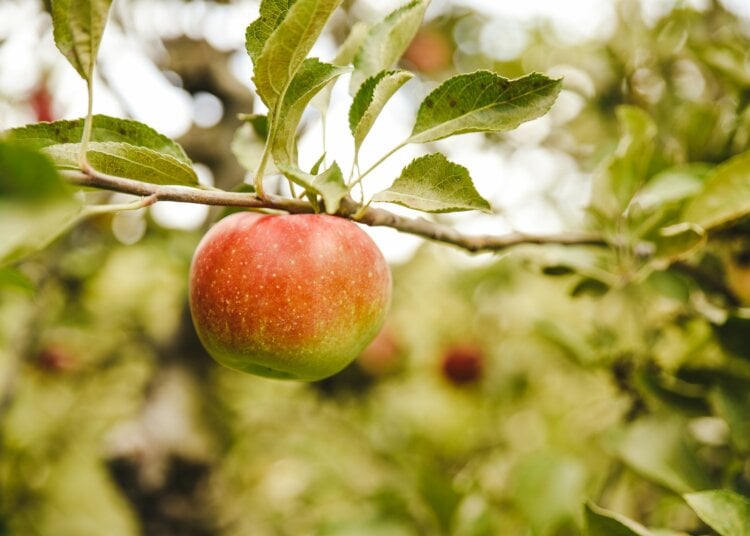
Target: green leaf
x: 670, y: 283
x: 119, y: 147
x: 725, y: 511
x: 247, y: 146
x: 729, y: 60
x: 619, y: 178
x: 725, y: 196
x: 734, y: 335
x: 125, y: 160
x: 272, y: 12
x: 602, y: 522
x: 78, y: 28
x: 27, y: 177
x: 387, y: 41
x: 12, y: 278
x: 482, y: 102
x: 369, y: 101
x: 105, y: 128
x: 547, y: 486
x: 658, y: 448
x: 344, y: 57
x: 35, y: 203
x: 672, y: 185
x: 259, y: 124
x: 329, y: 184
x: 287, y: 47
x: 731, y: 401
x: 434, y: 184
x: 677, y: 241
x: 351, y: 45
x: 315, y: 169
x: 312, y: 77
x: 139, y: 163
x: 439, y: 494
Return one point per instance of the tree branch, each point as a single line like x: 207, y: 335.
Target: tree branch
x: 349, y: 209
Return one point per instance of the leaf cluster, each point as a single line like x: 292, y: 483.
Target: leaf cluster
x: 727, y: 512
x: 278, y: 43
x: 286, y: 80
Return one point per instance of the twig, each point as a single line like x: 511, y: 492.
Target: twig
x: 93, y: 210
x: 349, y: 208
x: 380, y: 160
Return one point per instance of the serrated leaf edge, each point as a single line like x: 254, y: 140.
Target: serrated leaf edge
x: 419, y: 137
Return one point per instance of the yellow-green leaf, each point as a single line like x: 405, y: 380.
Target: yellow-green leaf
x: 105, y: 128
x: 125, y: 160
x: 601, y: 522
x: 329, y: 185
x: 432, y: 183
x: 386, y: 41
x: 78, y: 28
x: 272, y: 12
x: 660, y: 449
x: 35, y: 203
x: 482, y: 101
x: 725, y: 196
x: 312, y: 77
x: 620, y: 176
x: 369, y: 101
x: 725, y: 511
x: 287, y: 47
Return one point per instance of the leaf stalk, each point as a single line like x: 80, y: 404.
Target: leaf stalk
x: 377, y: 163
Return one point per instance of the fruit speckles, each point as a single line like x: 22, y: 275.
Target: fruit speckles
x: 288, y: 296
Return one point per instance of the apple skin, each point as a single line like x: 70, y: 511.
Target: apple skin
x: 291, y: 297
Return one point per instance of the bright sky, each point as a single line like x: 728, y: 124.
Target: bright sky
x: 520, y: 181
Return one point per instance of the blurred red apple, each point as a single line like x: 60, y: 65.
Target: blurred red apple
x: 383, y: 356
x: 56, y: 359
x: 41, y: 102
x: 463, y: 364
x: 430, y: 52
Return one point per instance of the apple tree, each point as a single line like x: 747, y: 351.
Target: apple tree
x: 593, y: 380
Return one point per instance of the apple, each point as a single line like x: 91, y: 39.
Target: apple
x: 56, y: 359
x: 288, y: 296
x: 42, y: 104
x: 430, y: 52
x: 463, y: 364
x: 384, y: 355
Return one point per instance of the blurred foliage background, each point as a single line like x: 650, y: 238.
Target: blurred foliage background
x: 503, y: 393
